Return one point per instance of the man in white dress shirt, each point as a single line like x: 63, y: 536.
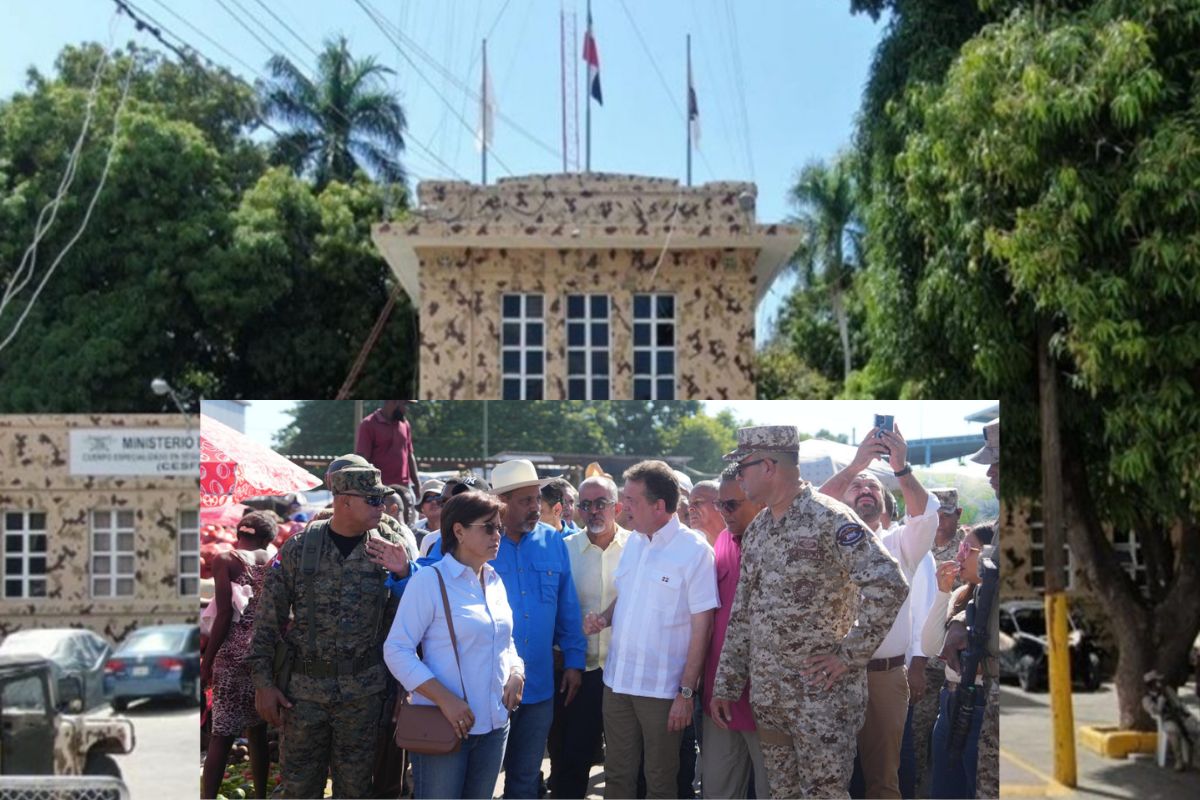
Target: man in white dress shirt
x: 662, y: 620
x: 882, y: 733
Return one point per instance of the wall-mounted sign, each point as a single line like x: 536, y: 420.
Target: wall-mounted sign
x: 135, y: 451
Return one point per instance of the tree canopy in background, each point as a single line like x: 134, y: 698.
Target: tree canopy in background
x: 1040, y: 162
x: 200, y: 264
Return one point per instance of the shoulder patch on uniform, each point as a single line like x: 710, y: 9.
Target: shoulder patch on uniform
x: 275, y: 562
x: 850, y: 534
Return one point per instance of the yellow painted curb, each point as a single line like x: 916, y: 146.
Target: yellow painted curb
x: 1112, y: 742
x: 1051, y: 787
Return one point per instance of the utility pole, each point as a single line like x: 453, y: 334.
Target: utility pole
x: 1062, y: 713
x: 358, y: 415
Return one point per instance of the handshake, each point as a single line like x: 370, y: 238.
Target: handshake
x: 594, y: 623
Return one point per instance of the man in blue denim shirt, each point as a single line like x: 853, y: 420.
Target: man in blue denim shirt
x: 536, y: 570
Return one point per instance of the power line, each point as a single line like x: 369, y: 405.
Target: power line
x: 663, y: 80
x: 266, y: 29
x: 288, y: 28
x: 260, y: 119
x: 741, y: 78
x: 442, y: 97
x: 416, y: 48
x: 199, y: 32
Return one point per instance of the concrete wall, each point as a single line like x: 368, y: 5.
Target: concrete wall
x: 461, y: 293
x: 35, y: 476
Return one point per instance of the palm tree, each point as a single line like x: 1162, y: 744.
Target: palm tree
x: 342, y: 120
x: 831, y: 248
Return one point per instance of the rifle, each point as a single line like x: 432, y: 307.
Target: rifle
x: 968, y: 696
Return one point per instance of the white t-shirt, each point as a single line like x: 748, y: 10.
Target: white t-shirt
x: 908, y: 543
x: 431, y: 538
x: 661, y: 581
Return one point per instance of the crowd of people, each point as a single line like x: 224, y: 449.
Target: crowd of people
x: 748, y: 636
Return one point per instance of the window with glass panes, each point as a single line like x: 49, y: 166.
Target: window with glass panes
x: 24, y: 554
x: 588, y: 348
x: 112, y: 554
x: 1037, y: 558
x: 522, y: 347
x: 654, y: 347
x: 189, y: 553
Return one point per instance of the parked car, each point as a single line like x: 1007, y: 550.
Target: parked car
x: 155, y: 661
x: 1024, y: 621
x: 72, y: 651
x: 42, y: 731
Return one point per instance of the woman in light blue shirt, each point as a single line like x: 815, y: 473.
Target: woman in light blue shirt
x: 492, y: 673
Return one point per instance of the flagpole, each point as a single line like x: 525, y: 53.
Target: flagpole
x: 483, y: 115
x: 562, y: 47
x: 588, y: 152
x: 687, y: 123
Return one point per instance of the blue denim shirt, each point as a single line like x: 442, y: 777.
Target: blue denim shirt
x: 537, y: 577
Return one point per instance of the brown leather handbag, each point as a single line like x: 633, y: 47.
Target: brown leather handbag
x: 424, y: 729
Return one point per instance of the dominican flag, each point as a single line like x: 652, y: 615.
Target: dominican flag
x: 693, y: 110
x: 592, y: 56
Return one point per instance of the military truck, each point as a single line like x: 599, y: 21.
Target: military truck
x: 42, y: 729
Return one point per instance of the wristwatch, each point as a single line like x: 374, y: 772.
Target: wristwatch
x: 687, y: 692
x: 905, y: 471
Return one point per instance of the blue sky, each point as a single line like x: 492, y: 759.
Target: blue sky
x: 797, y: 66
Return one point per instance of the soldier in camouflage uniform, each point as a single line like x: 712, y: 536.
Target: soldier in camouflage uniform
x: 987, y: 777
x: 816, y: 596
x: 329, y: 710
x: 945, y: 547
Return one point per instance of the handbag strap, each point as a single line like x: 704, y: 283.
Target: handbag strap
x: 450, y: 625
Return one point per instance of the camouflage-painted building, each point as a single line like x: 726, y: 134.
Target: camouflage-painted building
x: 588, y: 287
x: 99, y: 521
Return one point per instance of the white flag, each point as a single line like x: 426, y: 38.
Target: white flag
x: 487, y: 112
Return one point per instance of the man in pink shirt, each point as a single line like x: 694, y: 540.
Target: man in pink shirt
x: 385, y: 439
x: 731, y: 749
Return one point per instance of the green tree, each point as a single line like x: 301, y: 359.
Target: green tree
x: 1052, y: 174
x: 829, y: 251
x: 342, y: 120
x: 706, y: 439
x: 781, y: 373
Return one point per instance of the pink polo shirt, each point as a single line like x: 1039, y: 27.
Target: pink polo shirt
x: 728, y: 564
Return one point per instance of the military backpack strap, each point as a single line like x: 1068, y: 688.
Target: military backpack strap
x: 310, y: 558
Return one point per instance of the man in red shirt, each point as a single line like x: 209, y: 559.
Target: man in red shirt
x: 385, y: 439
x: 731, y: 750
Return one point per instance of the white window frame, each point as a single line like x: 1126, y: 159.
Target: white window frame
x: 654, y: 320
x: 113, y: 530
x: 589, y: 348
x: 1135, y: 568
x: 1037, y: 574
x: 189, y: 570
x: 522, y: 348
x: 25, y: 575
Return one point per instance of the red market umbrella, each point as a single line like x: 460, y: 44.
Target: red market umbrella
x: 234, y: 467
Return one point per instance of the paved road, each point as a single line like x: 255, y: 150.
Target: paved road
x: 1027, y: 758
x: 162, y: 763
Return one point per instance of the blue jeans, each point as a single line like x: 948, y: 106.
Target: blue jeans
x: 469, y: 773
x: 954, y: 777
x: 530, y: 725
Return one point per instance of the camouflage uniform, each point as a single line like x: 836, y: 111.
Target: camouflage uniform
x: 987, y: 776
x: 336, y: 689
x: 925, y: 710
x: 806, y: 579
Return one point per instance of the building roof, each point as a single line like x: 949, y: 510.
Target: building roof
x: 585, y: 211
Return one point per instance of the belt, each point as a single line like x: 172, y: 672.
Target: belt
x: 884, y: 664
x: 338, y: 669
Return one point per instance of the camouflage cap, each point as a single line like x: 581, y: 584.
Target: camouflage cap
x: 948, y: 498
x: 362, y: 481
x: 990, y: 452
x: 341, y: 462
x: 765, y: 438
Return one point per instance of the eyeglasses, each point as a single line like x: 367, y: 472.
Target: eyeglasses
x: 600, y: 505
x: 490, y: 528
x: 964, y: 548
x: 740, y: 468
x: 729, y: 506
x: 374, y: 502
x: 434, y: 499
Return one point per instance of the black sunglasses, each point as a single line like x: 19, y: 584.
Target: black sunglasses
x: 729, y: 506
x: 375, y: 502
x: 599, y: 505
x: 740, y: 468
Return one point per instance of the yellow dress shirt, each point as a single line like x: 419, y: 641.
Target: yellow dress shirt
x: 593, y: 570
